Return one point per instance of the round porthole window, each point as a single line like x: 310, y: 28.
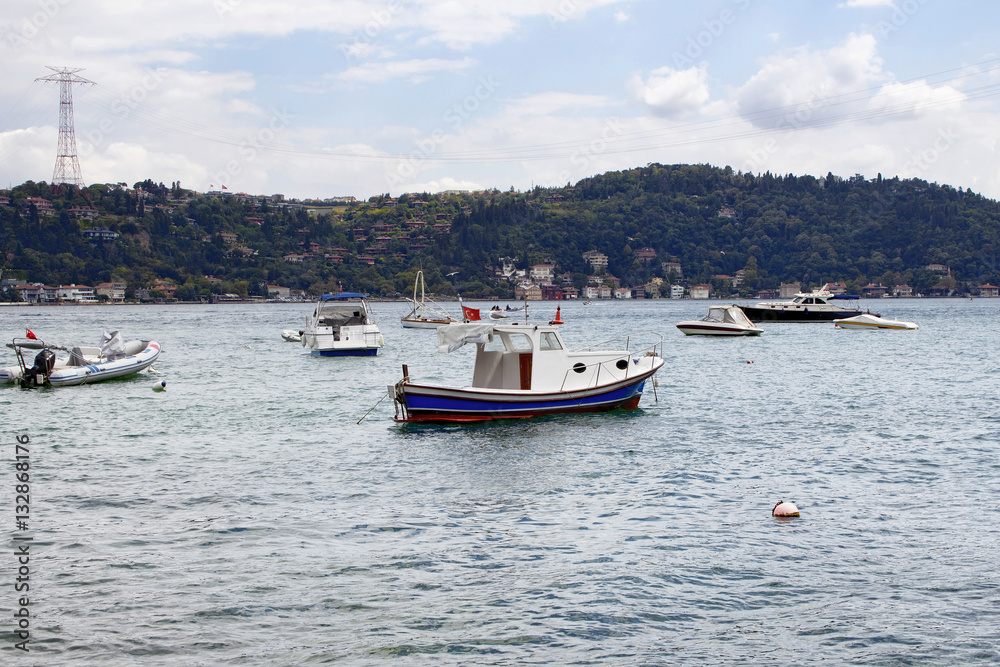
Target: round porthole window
x: 579, y: 367
x: 622, y: 364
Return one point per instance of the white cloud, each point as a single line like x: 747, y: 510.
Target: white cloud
x: 414, y: 71
x: 915, y: 97
x: 670, y: 92
x: 621, y: 16
x: 865, y: 3
x: 806, y: 82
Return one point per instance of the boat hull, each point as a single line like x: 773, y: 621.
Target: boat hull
x: 703, y: 329
x: 67, y: 376
x: 424, y: 323
x: 756, y: 314
x: 869, y: 322
x: 352, y: 352
x: 429, y: 403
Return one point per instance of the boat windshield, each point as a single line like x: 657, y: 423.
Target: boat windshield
x: 549, y: 341
x: 728, y: 315
x: 341, y: 313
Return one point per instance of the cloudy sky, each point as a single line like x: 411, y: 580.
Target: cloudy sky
x: 319, y: 98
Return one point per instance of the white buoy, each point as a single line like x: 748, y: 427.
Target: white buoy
x: 160, y: 386
x: 785, y: 509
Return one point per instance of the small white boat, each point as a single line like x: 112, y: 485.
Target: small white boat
x: 525, y: 370
x: 84, y: 365
x: 721, y: 321
x: 869, y: 321
x: 342, y: 326
x: 291, y: 335
x: 425, y: 314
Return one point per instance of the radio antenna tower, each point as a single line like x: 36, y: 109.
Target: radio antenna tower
x: 67, y: 168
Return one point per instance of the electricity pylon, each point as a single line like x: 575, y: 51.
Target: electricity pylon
x: 67, y: 169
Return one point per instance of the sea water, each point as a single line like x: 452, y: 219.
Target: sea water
x: 244, y: 516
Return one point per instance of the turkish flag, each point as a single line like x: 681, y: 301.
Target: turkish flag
x: 471, y: 314
x: 29, y: 334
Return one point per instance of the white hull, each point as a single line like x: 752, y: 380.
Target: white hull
x: 342, y: 326
x: 868, y: 321
x: 425, y: 323
x: 721, y: 321
x: 696, y: 328
x: 64, y: 375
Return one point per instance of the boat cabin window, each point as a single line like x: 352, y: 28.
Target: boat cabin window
x: 808, y: 301
x: 519, y: 342
x: 549, y: 341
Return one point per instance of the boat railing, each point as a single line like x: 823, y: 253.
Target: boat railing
x: 655, y: 347
x: 653, y: 350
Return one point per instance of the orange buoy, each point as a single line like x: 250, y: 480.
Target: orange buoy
x: 783, y: 509
x: 558, y: 320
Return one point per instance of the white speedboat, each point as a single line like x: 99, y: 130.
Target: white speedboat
x: 83, y: 365
x: 817, y: 306
x: 524, y: 370
x: 870, y: 321
x: 342, y: 326
x: 425, y: 314
x: 721, y: 321
x: 291, y: 335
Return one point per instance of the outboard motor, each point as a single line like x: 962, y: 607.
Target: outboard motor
x: 44, y: 362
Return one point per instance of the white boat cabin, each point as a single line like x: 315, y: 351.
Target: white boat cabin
x: 534, y: 358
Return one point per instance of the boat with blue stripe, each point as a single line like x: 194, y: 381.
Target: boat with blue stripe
x: 524, y: 370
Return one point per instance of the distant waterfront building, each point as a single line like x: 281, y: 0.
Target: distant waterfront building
x: 902, y: 291
x: 115, y: 291
x: 99, y: 234
x: 77, y: 293
x: 939, y: 269
x: 623, y: 293
x: 645, y: 255
x: 788, y: 290
x: 676, y: 291
x: 543, y: 274
x: 989, y: 290
x: 528, y: 292
x: 835, y: 288
x: 278, y: 292
x: 873, y: 290
x: 82, y: 212
x: 672, y: 266
x: 598, y: 260
x: 701, y: 291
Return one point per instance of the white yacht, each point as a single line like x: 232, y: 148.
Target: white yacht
x: 342, y: 326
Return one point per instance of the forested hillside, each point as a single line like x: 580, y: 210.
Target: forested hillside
x: 710, y: 220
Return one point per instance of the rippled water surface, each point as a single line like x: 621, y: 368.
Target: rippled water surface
x: 244, y: 517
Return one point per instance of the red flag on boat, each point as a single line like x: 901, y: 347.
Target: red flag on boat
x: 29, y: 334
x: 471, y: 314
